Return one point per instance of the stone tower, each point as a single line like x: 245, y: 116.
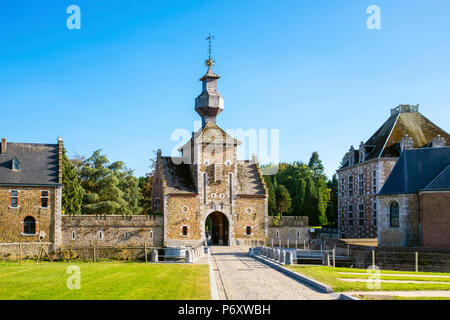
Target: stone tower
x: 209, y: 103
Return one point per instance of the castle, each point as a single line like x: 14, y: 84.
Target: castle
x: 206, y: 194
x: 365, y: 170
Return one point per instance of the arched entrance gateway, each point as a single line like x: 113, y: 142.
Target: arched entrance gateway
x: 217, y: 229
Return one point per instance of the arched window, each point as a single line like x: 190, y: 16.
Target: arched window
x: 394, y: 215
x: 29, y: 225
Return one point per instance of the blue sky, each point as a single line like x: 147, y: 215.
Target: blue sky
x: 129, y: 77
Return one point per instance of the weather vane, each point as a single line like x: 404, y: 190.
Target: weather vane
x: 210, y: 61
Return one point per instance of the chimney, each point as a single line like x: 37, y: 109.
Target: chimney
x: 4, y: 145
x: 60, y: 159
x: 406, y: 143
x: 438, y: 142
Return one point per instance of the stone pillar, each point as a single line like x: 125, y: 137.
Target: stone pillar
x: 189, y: 256
x: 154, y: 256
x: 289, y: 260
x: 283, y: 256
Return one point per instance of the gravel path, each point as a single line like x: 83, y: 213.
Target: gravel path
x: 240, y: 277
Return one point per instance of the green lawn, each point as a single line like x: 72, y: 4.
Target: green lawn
x: 329, y: 276
x: 105, y: 280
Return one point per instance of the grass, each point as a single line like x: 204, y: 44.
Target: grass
x: 329, y: 276
x: 105, y: 281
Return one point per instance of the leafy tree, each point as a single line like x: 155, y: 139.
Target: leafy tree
x: 284, y: 200
x: 72, y: 192
x: 146, y: 184
x: 129, y: 185
x: 332, y: 207
x: 101, y: 182
x: 315, y: 164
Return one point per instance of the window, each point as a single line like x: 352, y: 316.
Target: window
x: 374, y: 181
x: 127, y: 235
x: 185, y: 230
x: 350, y: 215
x: 249, y: 210
x: 375, y: 213
x: 15, y: 165
x: 350, y: 186
x: 277, y: 235
x: 29, y: 226
x: 298, y: 234
x: 101, y: 235
x: 14, y: 199
x: 73, y: 235
x: 157, y: 205
x: 394, y: 215
x: 248, y: 231
x: 361, y: 184
x: 45, y: 199
x: 228, y: 163
x: 361, y: 214
x: 151, y: 234
x: 185, y: 209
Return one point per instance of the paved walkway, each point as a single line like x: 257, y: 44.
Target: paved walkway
x: 240, y: 277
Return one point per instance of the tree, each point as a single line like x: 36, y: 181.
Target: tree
x: 129, y: 185
x: 332, y: 207
x: 72, y: 192
x: 283, y: 199
x: 272, y: 202
x: 101, y: 182
x: 315, y: 164
x: 146, y: 185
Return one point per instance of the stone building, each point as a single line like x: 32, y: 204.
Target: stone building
x: 414, y: 203
x: 30, y: 192
x: 366, y: 169
x: 208, y: 186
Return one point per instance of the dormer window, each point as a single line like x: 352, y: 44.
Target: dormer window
x: 15, y: 164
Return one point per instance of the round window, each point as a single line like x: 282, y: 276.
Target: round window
x: 249, y: 210
x: 185, y: 209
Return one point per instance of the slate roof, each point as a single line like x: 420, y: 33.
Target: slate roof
x: 38, y: 164
x: 417, y: 169
x: 249, y: 182
x: 385, y: 142
x: 441, y: 182
x: 178, y: 175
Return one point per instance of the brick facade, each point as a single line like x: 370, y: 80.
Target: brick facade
x: 434, y: 218
x: 357, y: 197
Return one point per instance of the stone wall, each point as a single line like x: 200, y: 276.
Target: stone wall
x: 249, y: 212
x: 118, y: 231
x: 407, y: 234
x: 292, y: 229
x: 434, y: 216
x: 11, y: 219
x: 25, y: 250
